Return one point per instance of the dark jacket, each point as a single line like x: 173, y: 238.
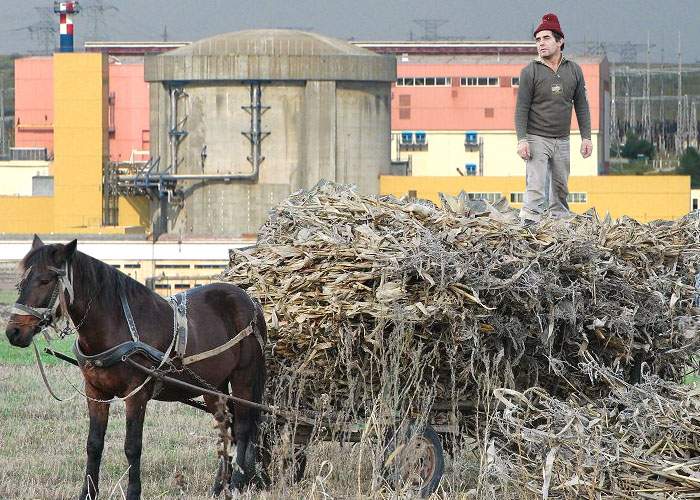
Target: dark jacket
x: 545, y: 99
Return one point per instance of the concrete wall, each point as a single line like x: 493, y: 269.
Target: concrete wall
x: 446, y: 152
x: 643, y: 198
x: 330, y: 130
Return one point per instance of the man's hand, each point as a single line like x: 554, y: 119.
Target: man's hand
x: 586, y: 148
x: 524, y: 150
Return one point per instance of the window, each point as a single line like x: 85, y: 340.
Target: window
x: 490, y: 197
x: 470, y: 168
x: 517, y: 197
x: 132, y: 266
x: 210, y: 266
x: 515, y: 81
x: 172, y: 266
x: 577, y: 198
x: 404, y: 113
x: 479, y: 81
x: 695, y: 203
x: 488, y: 112
x: 427, y: 81
x: 405, y: 100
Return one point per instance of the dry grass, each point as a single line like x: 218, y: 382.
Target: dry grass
x: 42, y: 450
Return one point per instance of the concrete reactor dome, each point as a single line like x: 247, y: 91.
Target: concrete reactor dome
x: 241, y: 120
x: 272, y: 55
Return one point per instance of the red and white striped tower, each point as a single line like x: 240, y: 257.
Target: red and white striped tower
x: 65, y: 10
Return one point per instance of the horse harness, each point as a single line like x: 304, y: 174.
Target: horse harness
x: 178, y: 303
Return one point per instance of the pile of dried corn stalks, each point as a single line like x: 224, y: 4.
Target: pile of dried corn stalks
x: 640, y: 441
x: 468, y: 293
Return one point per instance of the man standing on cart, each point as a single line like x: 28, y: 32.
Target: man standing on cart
x: 549, y: 87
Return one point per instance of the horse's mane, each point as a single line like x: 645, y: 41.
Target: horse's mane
x: 95, y: 277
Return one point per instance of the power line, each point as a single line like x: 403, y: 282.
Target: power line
x: 96, y: 11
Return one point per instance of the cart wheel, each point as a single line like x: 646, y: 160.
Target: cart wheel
x: 415, y: 457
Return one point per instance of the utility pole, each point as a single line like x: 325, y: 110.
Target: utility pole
x: 164, y: 36
x: 680, y: 129
x: 44, y: 30
x: 96, y: 11
x: 614, y: 137
x: 646, y: 103
x: 3, y: 136
x: 430, y: 27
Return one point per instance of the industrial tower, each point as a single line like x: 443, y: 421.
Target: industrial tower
x: 65, y: 10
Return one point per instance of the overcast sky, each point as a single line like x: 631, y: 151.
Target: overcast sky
x: 610, y: 21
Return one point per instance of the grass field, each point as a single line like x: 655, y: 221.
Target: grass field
x: 7, y: 296
x: 42, y: 445
x: 42, y: 450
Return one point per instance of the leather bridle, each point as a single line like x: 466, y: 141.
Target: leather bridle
x: 47, y: 315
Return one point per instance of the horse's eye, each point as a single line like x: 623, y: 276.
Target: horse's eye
x: 45, y: 281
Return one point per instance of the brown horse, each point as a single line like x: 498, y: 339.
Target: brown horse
x: 115, y: 318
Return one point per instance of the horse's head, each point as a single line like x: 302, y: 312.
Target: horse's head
x: 45, y: 280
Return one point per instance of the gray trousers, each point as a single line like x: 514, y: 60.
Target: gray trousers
x: 546, y: 177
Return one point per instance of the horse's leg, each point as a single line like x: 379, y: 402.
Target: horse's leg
x: 135, y: 413
x: 245, y: 422
x: 99, y: 415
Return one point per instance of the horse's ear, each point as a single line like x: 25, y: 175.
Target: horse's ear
x: 69, y: 249
x: 36, y: 243
x: 63, y: 253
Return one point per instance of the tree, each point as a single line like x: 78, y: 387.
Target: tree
x: 690, y: 165
x: 634, y: 147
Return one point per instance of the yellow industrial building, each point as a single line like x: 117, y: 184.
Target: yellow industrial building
x: 644, y: 198
x: 445, y: 153
x: 81, y: 155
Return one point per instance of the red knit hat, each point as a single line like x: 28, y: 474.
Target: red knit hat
x: 549, y: 22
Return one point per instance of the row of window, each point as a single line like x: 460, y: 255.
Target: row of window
x: 174, y: 266
x: 571, y: 198
x: 515, y: 197
x: 446, y: 81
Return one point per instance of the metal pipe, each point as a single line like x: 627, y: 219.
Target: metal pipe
x: 185, y: 177
x: 173, y: 127
x: 255, y: 118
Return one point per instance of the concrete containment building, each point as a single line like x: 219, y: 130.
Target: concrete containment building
x: 241, y: 120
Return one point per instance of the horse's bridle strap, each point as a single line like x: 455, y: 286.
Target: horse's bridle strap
x: 22, y: 310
